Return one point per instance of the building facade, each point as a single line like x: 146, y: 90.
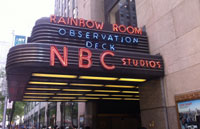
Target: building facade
x: 173, y: 29
x: 66, y: 8
x: 50, y: 114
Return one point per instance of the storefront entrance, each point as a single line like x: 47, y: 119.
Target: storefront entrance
x: 69, y: 114
x: 51, y: 115
x: 117, y: 115
x: 42, y: 118
x: 117, y: 122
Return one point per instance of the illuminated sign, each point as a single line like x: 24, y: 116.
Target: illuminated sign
x: 78, y: 53
x: 19, y: 39
x: 97, y: 36
x: 89, y: 34
x: 94, y: 25
x: 140, y: 63
x: 96, y: 39
x: 85, y: 59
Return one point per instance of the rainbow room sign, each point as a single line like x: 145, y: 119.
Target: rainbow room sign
x: 68, y: 47
x: 91, y: 34
x: 94, y: 39
x: 94, y: 25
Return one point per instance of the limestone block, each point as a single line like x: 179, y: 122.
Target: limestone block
x: 144, y: 12
x: 174, y: 3
x: 161, y: 32
x: 151, y: 95
x: 149, y: 11
x: 160, y: 8
x: 97, y: 10
x: 188, y: 51
x: 84, y: 9
x: 169, y: 53
x: 181, y: 82
x: 139, y: 2
x: 154, y: 118
x: 172, y: 117
x: 186, y: 16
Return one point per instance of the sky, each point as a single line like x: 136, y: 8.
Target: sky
x: 19, y: 16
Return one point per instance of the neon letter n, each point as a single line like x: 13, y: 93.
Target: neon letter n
x: 63, y: 60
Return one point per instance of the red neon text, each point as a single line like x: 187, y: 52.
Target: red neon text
x: 129, y: 29
x: 141, y: 63
x: 85, y: 58
x: 77, y: 22
x: 111, y: 67
x: 63, y: 60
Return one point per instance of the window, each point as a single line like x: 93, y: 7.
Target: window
x: 75, y: 12
x: 51, y: 115
x: 35, y: 119
x: 127, y: 16
x: 122, y: 13
x: 69, y: 116
x: 69, y: 3
x: 66, y: 114
x: 42, y: 118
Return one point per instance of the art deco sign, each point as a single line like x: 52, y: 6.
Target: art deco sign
x: 75, y: 56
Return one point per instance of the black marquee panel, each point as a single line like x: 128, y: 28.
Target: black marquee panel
x: 45, y: 32
x: 31, y: 54
x: 31, y: 77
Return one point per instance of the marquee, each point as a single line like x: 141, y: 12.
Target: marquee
x: 69, y: 59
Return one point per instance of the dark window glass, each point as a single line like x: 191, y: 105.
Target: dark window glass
x: 69, y: 115
x: 35, y: 120
x: 42, y: 118
x: 51, y: 116
x: 123, y: 9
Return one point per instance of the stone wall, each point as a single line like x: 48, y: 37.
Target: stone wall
x: 91, y: 10
x: 173, y: 28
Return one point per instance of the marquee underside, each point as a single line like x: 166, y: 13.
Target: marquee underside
x: 31, y: 78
